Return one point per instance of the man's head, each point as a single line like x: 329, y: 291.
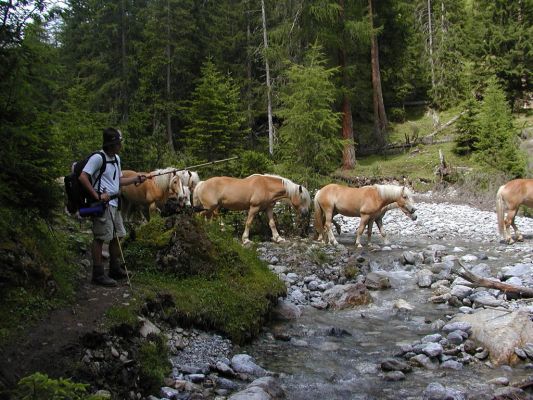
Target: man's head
x: 112, y: 139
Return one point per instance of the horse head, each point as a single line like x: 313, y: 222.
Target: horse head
x: 176, y: 189
x: 189, y: 178
x: 300, y: 199
x: 406, y: 203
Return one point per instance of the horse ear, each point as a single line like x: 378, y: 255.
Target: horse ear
x: 300, y: 188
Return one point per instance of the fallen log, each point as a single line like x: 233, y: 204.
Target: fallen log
x: 477, y: 281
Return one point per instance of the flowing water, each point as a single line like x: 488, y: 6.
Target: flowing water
x: 337, y: 354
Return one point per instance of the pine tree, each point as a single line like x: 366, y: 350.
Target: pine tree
x: 466, y: 128
x: 309, y: 135
x: 28, y: 148
x: 497, y: 141
x: 215, y: 120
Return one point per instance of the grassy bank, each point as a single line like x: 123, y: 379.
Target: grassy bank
x: 206, y: 277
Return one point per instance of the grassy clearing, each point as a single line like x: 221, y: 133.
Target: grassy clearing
x: 418, y: 164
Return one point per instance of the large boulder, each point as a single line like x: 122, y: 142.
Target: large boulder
x: 500, y: 332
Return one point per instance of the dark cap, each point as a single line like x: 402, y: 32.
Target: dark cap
x: 111, y: 136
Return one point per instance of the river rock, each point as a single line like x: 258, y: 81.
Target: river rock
x: 251, y: 393
x: 286, y: 311
x: 244, y: 363
x: 270, y: 386
x: 461, y: 291
x: 341, y: 297
x: 148, y: 328
x: 377, y: 281
x: 424, y: 278
x: 500, y: 332
x: 391, y: 364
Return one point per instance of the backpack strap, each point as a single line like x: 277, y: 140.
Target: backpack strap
x: 102, y: 170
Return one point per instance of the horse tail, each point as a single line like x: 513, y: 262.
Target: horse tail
x: 319, y: 215
x: 500, y: 210
x: 197, y: 204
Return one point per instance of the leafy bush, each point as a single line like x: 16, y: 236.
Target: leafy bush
x: 253, y: 162
x: 40, y: 386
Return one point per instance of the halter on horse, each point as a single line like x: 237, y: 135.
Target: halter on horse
x: 367, y: 202
x: 254, y: 193
x: 509, y: 198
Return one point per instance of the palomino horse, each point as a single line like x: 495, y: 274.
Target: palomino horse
x: 254, y: 193
x: 367, y: 202
x: 152, y: 193
x: 188, y: 178
x: 509, y: 198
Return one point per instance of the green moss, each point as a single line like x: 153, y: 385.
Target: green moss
x: 215, y: 284
x: 155, y: 366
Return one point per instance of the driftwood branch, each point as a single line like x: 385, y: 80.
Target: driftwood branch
x: 477, y: 281
x: 444, y: 126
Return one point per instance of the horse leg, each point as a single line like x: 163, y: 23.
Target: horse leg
x: 361, y: 229
x: 379, y: 224
x: 509, y: 220
x: 518, y: 235
x: 249, y: 219
x: 370, y: 224
x: 328, y: 229
x: 275, y: 235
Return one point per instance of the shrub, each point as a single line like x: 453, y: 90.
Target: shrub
x: 40, y: 386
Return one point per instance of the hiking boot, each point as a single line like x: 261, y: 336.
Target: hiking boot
x: 116, y: 271
x: 100, y: 278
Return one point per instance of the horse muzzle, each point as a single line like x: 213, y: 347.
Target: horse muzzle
x: 304, y: 212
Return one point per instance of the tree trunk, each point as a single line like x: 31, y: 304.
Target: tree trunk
x: 269, y: 100
x: 170, y: 139
x: 124, y: 95
x: 249, y: 115
x: 348, y: 153
x: 380, y: 118
x: 430, y: 32
x: 477, y: 281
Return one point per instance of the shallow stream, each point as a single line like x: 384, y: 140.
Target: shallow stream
x: 337, y: 354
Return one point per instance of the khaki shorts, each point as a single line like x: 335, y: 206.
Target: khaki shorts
x: 103, y: 226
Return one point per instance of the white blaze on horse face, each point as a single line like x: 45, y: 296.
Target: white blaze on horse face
x: 187, y: 196
x: 176, y: 189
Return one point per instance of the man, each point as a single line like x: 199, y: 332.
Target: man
x: 109, y: 227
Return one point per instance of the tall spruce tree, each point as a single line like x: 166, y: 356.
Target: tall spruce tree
x: 28, y: 148
x: 497, y: 142
x: 309, y: 134
x: 216, y: 122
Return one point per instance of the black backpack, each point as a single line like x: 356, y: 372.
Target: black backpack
x: 76, y: 195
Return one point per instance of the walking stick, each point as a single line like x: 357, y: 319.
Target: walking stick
x: 120, y: 249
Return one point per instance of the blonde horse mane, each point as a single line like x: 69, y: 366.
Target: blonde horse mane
x: 162, y: 181
x: 291, y: 188
x: 392, y: 192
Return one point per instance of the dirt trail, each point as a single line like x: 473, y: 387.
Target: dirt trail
x: 48, y: 344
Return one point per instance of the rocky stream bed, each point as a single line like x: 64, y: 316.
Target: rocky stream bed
x: 389, y: 321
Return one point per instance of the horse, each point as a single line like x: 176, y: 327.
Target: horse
x: 189, y: 178
x: 152, y: 193
x: 509, y: 198
x: 254, y: 193
x: 368, y: 202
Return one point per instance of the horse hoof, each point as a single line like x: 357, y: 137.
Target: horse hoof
x: 246, y: 241
x: 520, y: 239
